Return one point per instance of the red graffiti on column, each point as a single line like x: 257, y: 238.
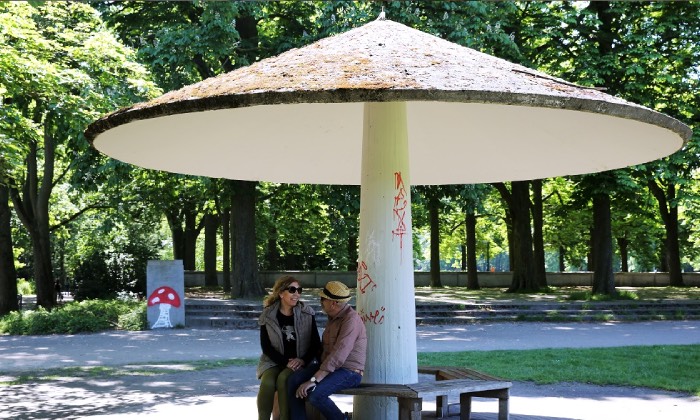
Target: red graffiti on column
x: 400, y: 208
x: 363, y: 279
x: 373, y: 317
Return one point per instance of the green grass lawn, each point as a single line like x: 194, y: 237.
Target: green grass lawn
x: 672, y: 368
x: 552, y: 294
x: 556, y: 294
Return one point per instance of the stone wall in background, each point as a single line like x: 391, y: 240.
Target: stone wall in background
x: 454, y: 278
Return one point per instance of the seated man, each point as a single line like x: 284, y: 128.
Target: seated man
x: 342, y: 362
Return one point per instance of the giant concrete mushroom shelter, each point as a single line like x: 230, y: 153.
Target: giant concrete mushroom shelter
x: 386, y: 106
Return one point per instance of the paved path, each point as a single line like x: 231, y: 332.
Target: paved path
x: 122, y: 347
x: 229, y: 393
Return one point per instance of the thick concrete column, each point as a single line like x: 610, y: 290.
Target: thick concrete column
x: 385, y: 289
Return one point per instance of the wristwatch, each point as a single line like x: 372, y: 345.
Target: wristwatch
x: 314, y: 380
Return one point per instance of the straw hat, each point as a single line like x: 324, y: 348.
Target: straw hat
x: 336, y: 291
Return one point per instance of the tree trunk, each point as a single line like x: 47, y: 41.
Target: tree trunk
x: 185, y: 230
x: 623, y: 244
x: 226, y: 233
x: 211, y: 227
x: 537, y: 235
x: 352, y: 253
x: 189, y: 255
x: 433, y: 211
x: 32, y: 209
x: 272, y: 255
x: 562, y: 258
x: 8, y: 275
x: 522, y: 260
x: 663, y: 257
x: 43, y: 269
x: 244, y: 282
x: 590, y: 260
x: 236, y: 287
x: 603, y: 277
x: 178, y: 235
x: 669, y: 215
x: 511, y: 242
x: 63, y: 278
x: 472, y: 277
x: 673, y: 252
x: 245, y: 267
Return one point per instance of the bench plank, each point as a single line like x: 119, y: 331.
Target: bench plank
x: 387, y: 390
x: 427, y: 389
x: 446, y: 372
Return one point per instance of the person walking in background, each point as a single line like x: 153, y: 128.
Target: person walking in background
x: 289, y: 340
x: 342, y: 362
x: 59, y: 294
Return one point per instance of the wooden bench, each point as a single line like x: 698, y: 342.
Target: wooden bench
x: 466, y: 382
x: 443, y: 373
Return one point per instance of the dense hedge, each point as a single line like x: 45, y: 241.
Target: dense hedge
x: 77, y: 317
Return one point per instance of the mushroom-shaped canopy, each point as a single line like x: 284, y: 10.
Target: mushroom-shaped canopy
x: 471, y: 117
x: 426, y: 111
x: 164, y: 294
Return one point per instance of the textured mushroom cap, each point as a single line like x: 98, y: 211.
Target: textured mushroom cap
x: 472, y: 118
x: 164, y: 294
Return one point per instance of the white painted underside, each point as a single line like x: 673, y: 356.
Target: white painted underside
x: 449, y: 143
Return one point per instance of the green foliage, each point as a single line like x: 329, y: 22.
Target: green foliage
x: 24, y: 287
x: 181, y: 42
x: 109, y: 253
x: 94, y: 279
x: 298, y: 224
x: 103, y: 275
x: 343, y: 209
x: 643, y: 52
x: 60, y: 61
x: 77, y: 317
x: 589, y: 296
x: 59, y: 70
x: 134, y: 320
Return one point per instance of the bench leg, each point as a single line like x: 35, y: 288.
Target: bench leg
x: 503, y: 408
x: 441, y: 406
x: 410, y: 408
x: 465, y: 406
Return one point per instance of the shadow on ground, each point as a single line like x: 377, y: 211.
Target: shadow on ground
x: 229, y: 393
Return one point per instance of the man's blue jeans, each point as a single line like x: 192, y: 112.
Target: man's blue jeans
x: 319, y: 397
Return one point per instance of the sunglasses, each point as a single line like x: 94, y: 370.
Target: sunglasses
x: 292, y: 289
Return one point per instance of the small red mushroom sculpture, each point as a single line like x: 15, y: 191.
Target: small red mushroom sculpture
x: 165, y: 297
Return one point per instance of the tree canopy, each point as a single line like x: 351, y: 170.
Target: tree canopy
x: 63, y: 65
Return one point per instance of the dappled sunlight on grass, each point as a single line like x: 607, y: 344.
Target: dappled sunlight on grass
x: 552, y: 294
x: 449, y: 294
x: 140, y: 369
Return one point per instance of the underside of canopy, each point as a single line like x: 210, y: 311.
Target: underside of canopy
x: 449, y: 143
x: 472, y: 118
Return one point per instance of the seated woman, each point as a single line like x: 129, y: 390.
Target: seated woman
x: 289, y: 340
